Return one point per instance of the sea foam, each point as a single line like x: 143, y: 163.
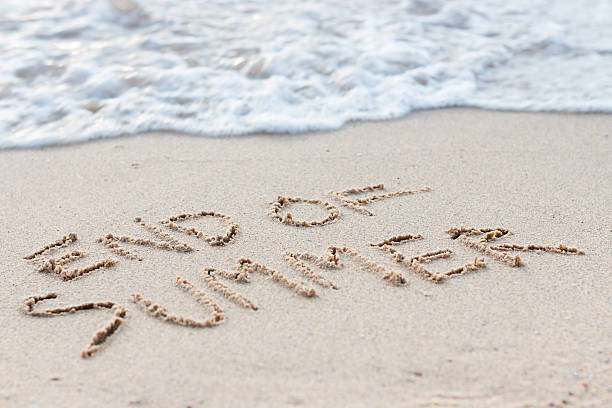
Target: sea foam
x: 74, y: 70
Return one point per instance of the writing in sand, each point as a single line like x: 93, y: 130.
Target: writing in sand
x: 220, y: 285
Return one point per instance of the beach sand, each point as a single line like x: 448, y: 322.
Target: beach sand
x: 539, y: 334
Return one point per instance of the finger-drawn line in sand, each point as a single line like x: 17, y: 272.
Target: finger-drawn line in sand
x: 297, y: 261
x: 560, y: 249
x: 57, y: 265
x: 415, y: 263
x: 100, y: 337
x: 169, y: 242
x: 66, y: 258
x: 331, y: 260
x: 394, y: 277
x: 398, y: 239
x: 488, y: 235
x: 248, y: 266
x: 216, y: 240
x: 513, y: 261
x: 63, y: 242
x: 210, y: 275
x: 357, y: 203
x: 160, y: 312
x: 500, y: 252
x: 51, y: 266
x: 283, y: 202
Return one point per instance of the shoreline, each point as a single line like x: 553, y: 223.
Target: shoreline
x: 350, y: 123
x: 490, y: 334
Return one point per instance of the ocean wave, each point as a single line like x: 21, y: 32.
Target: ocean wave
x: 76, y: 70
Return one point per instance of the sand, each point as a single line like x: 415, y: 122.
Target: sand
x: 348, y: 301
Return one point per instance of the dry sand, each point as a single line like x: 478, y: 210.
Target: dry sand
x: 497, y: 335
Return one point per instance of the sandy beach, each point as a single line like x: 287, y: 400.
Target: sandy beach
x: 264, y: 314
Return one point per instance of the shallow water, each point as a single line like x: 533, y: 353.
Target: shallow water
x: 78, y: 69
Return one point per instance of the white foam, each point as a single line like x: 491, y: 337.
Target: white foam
x: 73, y: 70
